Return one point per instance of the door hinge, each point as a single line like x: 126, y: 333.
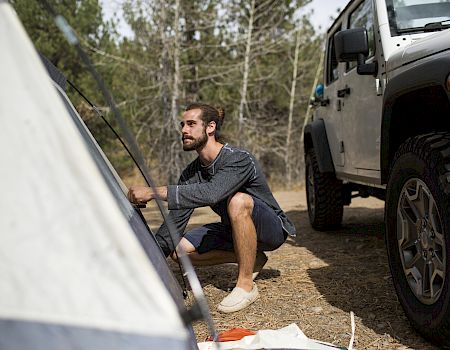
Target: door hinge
x: 379, y: 87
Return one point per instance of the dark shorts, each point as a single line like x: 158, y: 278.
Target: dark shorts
x: 217, y: 236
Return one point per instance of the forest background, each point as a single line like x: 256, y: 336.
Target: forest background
x: 257, y: 59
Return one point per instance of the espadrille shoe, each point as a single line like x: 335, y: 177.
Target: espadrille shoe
x: 238, y: 299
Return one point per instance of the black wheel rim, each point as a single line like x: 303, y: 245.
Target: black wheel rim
x: 421, y: 241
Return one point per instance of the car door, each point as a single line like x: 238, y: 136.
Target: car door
x: 330, y: 110
x: 361, y: 103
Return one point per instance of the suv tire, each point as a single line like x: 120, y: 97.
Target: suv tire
x: 323, y: 195
x: 418, y: 232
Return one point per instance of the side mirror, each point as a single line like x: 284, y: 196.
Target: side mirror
x: 353, y: 45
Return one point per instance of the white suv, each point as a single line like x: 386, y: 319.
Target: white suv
x: 382, y: 128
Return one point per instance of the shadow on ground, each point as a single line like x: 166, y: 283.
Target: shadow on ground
x: 353, y: 273
x: 223, y: 277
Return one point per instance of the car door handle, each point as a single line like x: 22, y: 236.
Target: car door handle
x: 343, y: 92
x: 325, y: 102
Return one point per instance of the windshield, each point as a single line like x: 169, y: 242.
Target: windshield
x: 409, y: 16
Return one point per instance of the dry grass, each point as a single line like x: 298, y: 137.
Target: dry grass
x: 316, y: 279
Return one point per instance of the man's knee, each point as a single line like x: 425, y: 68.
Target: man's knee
x: 240, y: 204
x: 184, y: 247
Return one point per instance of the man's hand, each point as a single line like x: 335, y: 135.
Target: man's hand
x: 139, y: 194
x: 144, y: 194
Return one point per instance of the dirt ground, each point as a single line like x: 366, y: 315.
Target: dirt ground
x: 316, y: 279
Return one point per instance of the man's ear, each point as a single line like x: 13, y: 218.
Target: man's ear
x: 211, y: 128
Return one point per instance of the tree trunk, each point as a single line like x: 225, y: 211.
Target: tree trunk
x: 164, y: 76
x: 287, y: 162
x: 175, y: 152
x: 248, y: 46
x: 192, y: 85
x: 164, y: 63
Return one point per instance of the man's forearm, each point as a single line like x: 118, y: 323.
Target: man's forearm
x: 161, y: 193
x: 144, y: 194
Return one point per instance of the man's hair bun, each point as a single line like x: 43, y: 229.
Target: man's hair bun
x: 220, y: 114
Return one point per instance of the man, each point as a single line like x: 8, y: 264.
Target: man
x: 230, y: 181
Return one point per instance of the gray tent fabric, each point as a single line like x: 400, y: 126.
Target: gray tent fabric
x: 45, y: 336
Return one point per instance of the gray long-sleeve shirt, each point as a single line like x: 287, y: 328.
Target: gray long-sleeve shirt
x: 233, y: 170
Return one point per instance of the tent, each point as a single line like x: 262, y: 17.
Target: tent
x: 79, y: 268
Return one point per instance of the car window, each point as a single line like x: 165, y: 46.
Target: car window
x: 332, y: 62
x: 415, y: 16
x: 362, y: 17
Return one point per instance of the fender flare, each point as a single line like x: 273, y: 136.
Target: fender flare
x: 431, y: 72
x: 315, y: 136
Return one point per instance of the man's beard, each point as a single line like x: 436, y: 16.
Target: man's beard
x: 196, y: 143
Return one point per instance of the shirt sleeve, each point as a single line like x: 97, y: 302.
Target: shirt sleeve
x: 236, y: 171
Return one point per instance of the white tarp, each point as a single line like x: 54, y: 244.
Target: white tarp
x: 67, y: 254
x: 289, y: 337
